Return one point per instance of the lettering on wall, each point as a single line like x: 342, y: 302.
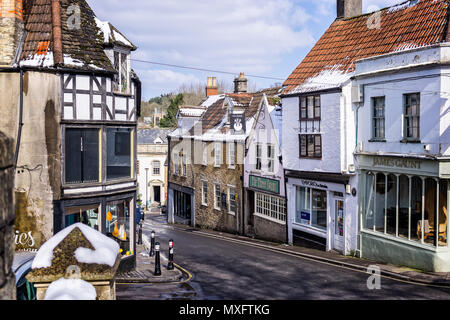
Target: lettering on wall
x: 396, y: 163
x: 24, y: 240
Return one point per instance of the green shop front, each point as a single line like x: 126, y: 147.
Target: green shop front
x: 403, y: 203
x: 265, y: 202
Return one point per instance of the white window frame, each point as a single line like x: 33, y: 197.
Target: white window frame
x: 231, y: 155
x: 258, y: 146
x: 217, y: 154
x: 119, y: 83
x: 183, y: 165
x: 204, y: 195
x: 205, y: 154
x: 217, y: 204
x: 271, y: 159
x: 264, y: 205
x: 229, y: 200
x: 158, y: 167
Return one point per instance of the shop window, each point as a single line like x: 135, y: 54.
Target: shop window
x: 380, y: 203
x: 391, y: 205
x: 271, y: 207
x: 403, y: 206
x: 118, y: 160
x: 411, y: 207
x: 81, y: 155
x: 118, y: 223
x: 88, y: 215
x: 311, y: 207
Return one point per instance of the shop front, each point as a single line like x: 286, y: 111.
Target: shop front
x: 403, y: 205
x: 266, y: 208
x: 322, y: 213
x: 112, y: 215
x: 181, y: 205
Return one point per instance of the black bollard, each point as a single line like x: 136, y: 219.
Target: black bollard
x: 140, y: 234
x: 152, y: 245
x: 170, y: 264
x: 157, y: 260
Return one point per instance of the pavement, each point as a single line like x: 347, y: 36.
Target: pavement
x: 145, y: 265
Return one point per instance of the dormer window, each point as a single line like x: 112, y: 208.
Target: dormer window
x: 122, y: 66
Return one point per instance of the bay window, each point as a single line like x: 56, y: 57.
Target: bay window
x: 118, y: 153
x: 121, y: 65
x: 82, y: 154
x: 407, y: 207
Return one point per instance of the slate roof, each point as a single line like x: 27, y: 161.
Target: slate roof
x: 148, y: 136
x: 408, y: 25
x: 82, y: 48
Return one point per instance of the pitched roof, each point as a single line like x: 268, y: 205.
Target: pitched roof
x: 408, y: 25
x: 82, y: 47
x: 148, y: 136
x: 215, y: 115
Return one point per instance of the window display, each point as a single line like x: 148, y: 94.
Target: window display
x: 118, y: 223
x: 311, y: 207
x: 411, y: 210
x: 88, y: 215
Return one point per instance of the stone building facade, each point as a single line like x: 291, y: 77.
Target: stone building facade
x: 7, y: 279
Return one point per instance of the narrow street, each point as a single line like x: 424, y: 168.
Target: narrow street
x: 227, y: 270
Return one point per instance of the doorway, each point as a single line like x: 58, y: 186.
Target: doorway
x: 156, y: 194
x: 338, y: 215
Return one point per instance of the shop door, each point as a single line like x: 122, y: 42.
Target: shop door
x: 338, y: 223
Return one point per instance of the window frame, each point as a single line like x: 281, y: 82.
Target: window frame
x: 264, y: 208
x: 158, y: 167
x: 217, y: 154
x: 118, y: 66
x: 217, y: 197
x: 131, y: 155
x: 270, y: 146
x: 376, y: 119
x: 229, y: 200
x: 304, y: 105
x: 314, y: 146
x: 204, y: 193
x: 412, y: 117
x: 231, y: 155
x: 258, y: 158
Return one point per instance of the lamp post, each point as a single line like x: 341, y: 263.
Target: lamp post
x: 146, y: 189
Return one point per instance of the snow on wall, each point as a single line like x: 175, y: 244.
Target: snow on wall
x: 105, y: 249
x: 70, y: 289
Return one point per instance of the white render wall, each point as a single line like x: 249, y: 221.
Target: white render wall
x: 434, y: 118
x: 146, y: 161
x: 330, y: 128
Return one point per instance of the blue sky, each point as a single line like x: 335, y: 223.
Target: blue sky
x: 258, y: 37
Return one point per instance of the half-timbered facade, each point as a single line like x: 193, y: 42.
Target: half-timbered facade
x: 71, y: 101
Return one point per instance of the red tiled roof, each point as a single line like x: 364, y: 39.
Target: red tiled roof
x: 410, y: 24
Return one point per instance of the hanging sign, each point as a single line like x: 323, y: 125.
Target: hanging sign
x: 237, y: 122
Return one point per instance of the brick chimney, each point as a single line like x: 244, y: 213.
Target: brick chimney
x: 348, y: 8
x: 240, y: 84
x: 211, y: 88
x: 11, y: 30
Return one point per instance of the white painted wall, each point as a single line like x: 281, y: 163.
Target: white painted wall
x: 145, y: 161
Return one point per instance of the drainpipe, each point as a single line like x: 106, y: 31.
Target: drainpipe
x: 56, y: 33
x: 19, y: 130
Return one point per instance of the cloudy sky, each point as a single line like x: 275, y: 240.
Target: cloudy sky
x: 267, y: 38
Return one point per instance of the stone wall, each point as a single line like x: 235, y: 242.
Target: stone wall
x: 11, y: 29
x: 7, y: 279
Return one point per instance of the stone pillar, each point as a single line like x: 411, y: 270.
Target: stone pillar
x: 11, y: 29
x: 7, y: 278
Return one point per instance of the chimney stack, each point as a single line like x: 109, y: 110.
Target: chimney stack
x: 348, y: 8
x: 240, y: 84
x: 211, y: 88
x: 11, y: 30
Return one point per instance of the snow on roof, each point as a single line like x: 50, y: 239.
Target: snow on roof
x: 326, y: 79
x: 212, y: 99
x: 70, y: 289
x: 110, y: 34
x: 105, y: 249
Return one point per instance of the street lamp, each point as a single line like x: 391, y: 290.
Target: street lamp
x: 146, y: 189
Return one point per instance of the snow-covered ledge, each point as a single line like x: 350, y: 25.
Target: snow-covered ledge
x: 78, y: 252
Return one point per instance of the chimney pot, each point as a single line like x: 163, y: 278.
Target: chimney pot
x: 240, y: 84
x: 211, y: 87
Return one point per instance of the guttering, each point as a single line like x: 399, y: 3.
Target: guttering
x: 19, y: 129
x: 57, y: 33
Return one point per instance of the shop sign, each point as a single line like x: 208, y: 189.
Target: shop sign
x: 396, y: 163
x: 238, y: 123
x: 314, y: 184
x: 264, y: 184
x: 303, y: 217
